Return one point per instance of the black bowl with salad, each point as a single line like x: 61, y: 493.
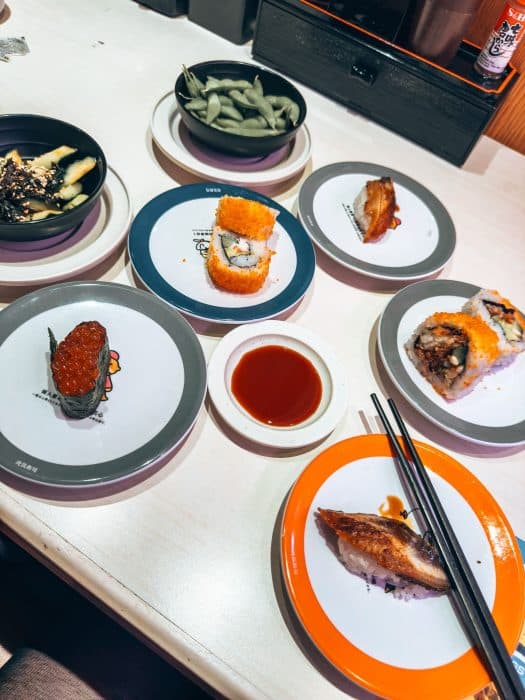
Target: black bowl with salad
x: 51, y: 176
x: 239, y: 108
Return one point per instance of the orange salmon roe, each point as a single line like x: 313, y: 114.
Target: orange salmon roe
x: 75, y: 362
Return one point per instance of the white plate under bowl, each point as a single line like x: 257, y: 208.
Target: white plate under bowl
x: 107, y: 232
x: 241, y: 340
x: 165, y: 128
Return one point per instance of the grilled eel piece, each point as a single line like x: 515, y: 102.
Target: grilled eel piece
x: 385, y: 548
x: 375, y: 207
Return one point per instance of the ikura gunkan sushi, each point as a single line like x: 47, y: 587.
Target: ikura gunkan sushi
x: 79, y: 365
x: 453, y: 351
x: 386, y: 552
x: 238, y: 258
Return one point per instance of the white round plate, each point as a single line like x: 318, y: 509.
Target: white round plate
x: 107, y: 232
x: 154, y: 390
x: 165, y: 128
x: 493, y: 413
x: 168, y: 242
x: 397, y: 649
x: 333, y: 378
x: 420, y: 246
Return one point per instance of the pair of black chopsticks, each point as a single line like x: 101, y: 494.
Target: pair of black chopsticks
x: 465, y: 592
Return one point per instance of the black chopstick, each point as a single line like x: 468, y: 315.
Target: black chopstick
x: 466, y: 594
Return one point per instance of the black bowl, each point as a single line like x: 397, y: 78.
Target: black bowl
x: 33, y: 135
x: 273, y: 84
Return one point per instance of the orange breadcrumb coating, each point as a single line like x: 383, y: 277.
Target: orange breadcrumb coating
x: 235, y: 279
x: 245, y: 217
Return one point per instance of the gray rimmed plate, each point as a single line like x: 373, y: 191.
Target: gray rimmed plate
x: 493, y: 413
x: 420, y: 246
x: 154, y: 389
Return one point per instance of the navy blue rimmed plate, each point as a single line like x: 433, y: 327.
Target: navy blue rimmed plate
x: 168, y: 242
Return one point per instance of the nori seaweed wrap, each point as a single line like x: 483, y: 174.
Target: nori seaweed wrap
x: 79, y: 365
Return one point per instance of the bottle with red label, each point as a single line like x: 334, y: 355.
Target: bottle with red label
x: 502, y: 41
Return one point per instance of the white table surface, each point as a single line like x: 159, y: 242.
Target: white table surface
x: 186, y: 557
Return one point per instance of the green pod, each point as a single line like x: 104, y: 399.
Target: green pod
x: 241, y: 100
x: 257, y: 86
x: 278, y: 100
x: 231, y: 112
x: 293, y: 112
x: 197, y: 104
x: 192, y: 85
x: 224, y: 85
x: 225, y: 100
x: 214, y: 107
x: 225, y: 123
x: 280, y: 123
x: 252, y: 132
x: 262, y: 106
x: 257, y: 122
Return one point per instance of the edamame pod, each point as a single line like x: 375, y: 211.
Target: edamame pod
x: 224, y: 85
x: 257, y: 86
x: 241, y: 100
x: 196, y: 104
x: 258, y: 122
x: 252, y: 132
x: 262, y: 106
x: 231, y: 112
x: 214, y: 107
x: 225, y: 123
x: 290, y: 107
x: 225, y: 100
x: 193, y: 85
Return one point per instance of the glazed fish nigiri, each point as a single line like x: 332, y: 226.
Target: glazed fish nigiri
x: 386, y: 550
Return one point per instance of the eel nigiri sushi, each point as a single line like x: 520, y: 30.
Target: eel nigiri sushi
x: 374, y: 209
x: 79, y: 365
x: 503, y: 317
x: 453, y: 351
x: 385, y: 550
x: 238, y: 257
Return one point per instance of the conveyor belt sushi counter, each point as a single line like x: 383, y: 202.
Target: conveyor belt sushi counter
x: 211, y: 256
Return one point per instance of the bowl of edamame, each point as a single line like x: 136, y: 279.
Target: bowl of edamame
x: 239, y: 108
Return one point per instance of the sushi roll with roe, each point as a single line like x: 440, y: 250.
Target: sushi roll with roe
x: 503, y: 317
x: 238, y: 256
x: 453, y: 351
x: 79, y: 365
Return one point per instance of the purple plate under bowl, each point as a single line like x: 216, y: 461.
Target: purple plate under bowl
x: 27, y: 251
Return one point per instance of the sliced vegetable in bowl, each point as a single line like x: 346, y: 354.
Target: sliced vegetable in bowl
x: 51, y: 176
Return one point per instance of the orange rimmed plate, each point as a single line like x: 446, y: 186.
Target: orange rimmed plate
x: 395, y: 648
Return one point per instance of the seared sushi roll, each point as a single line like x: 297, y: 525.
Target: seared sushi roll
x: 503, y: 317
x: 79, y: 365
x: 237, y: 264
x: 387, y: 552
x: 374, y: 209
x: 246, y: 217
x: 453, y: 351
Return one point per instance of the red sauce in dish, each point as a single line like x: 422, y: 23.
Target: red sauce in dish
x: 277, y: 385
x: 75, y: 362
